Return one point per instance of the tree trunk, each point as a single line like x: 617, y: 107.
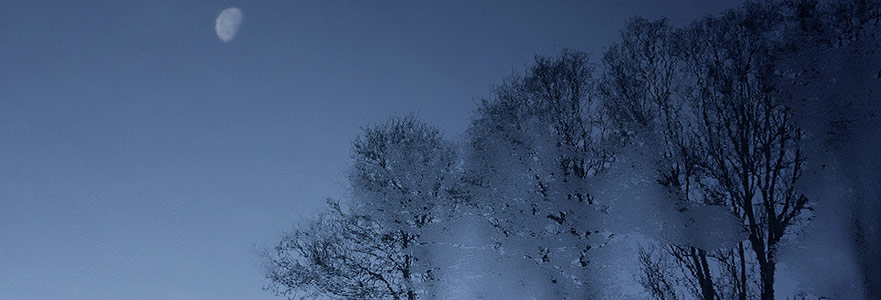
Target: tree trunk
x: 708, y: 291
x: 767, y: 272
x: 702, y: 272
x: 742, y: 293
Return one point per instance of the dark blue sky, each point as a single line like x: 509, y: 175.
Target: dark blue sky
x: 143, y: 158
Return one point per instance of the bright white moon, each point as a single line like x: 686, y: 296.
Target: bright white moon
x: 227, y: 23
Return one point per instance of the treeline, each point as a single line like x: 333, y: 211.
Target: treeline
x: 691, y: 158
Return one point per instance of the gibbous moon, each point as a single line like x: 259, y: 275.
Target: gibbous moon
x: 227, y: 23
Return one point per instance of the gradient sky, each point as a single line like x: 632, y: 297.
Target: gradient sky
x: 143, y: 158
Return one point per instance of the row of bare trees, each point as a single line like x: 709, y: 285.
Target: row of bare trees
x: 705, y: 111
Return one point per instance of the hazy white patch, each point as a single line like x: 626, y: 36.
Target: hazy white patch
x: 227, y: 23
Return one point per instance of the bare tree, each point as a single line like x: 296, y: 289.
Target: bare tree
x: 402, y: 181
x: 704, y: 96
x: 338, y: 255
x: 532, y: 148
x: 752, y: 145
x: 641, y: 90
x: 403, y: 176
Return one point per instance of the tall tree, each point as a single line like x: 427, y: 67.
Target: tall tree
x: 531, y: 149
x: 404, y: 174
x: 642, y: 91
x: 753, y: 147
x: 403, y: 181
x: 704, y: 96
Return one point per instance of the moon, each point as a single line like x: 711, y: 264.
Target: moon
x: 227, y: 24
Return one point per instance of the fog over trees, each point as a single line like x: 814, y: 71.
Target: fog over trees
x: 735, y: 157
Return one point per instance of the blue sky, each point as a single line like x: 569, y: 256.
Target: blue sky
x: 143, y: 158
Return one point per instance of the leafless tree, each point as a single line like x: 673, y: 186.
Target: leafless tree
x: 338, y: 255
x: 704, y: 94
x: 403, y: 176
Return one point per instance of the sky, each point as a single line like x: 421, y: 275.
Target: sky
x: 142, y: 157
